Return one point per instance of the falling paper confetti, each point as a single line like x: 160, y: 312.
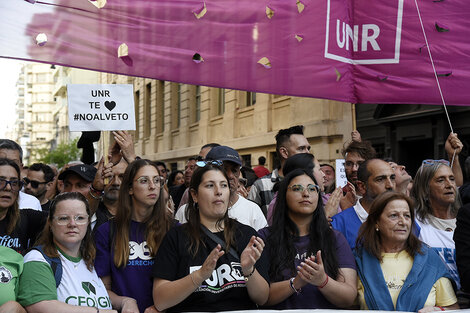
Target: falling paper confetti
x: 299, y: 38
x: 382, y: 77
x: 201, y: 12
x: 98, y: 3
x: 338, y: 75
x: 41, y: 39
x: 269, y: 12
x: 300, y: 6
x: 441, y: 28
x: 264, y: 61
x: 123, y: 50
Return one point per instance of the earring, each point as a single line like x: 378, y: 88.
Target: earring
x: 376, y: 227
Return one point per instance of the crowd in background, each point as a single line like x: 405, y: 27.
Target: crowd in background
x: 127, y: 235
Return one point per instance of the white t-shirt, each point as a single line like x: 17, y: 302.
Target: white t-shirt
x: 244, y: 211
x: 443, y: 243
x: 78, y: 285
x: 26, y: 201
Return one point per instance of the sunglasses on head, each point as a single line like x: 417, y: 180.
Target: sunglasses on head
x: 432, y: 162
x: 34, y: 183
x: 211, y: 162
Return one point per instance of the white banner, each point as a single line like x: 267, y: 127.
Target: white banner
x: 101, y: 107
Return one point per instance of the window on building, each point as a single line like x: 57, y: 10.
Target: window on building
x: 160, y: 110
x: 221, y: 101
x: 175, y: 105
x: 246, y: 160
x: 41, y: 77
x: 148, y: 109
x: 250, y: 98
x: 137, y: 106
x: 198, y: 103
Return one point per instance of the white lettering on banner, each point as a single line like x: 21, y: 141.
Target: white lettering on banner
x: 354, y: 40
x: 353, y: 36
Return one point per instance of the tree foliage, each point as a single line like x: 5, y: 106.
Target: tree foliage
x: 61, y: 155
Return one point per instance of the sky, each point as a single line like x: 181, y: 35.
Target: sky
x: 9, y: 71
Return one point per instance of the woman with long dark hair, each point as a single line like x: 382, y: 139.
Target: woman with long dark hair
x: 127, y: 244
x: 312, y: 266
x: 211, y: 263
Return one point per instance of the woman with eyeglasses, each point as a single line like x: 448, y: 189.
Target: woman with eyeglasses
x: 437, y: 203
x: 211, y: 263
x: 70, y: 283
x: 18, y: 228
x: 127, y: 244
x: 311, y: 265
x: 397, y: 271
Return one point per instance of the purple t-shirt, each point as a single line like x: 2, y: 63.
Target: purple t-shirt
x: 310, y: 297
x: 135, y: 279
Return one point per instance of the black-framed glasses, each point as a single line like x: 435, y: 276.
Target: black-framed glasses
x: 432, y: 162
x: 211, y: 162
x: 15, y: 185
x: 311, y: 188
x: 34, y: 183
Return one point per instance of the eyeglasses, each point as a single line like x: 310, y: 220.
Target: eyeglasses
x: 67, y: 219
x: 15, y: 185
x: 311, y: 188
x: 210, y: 162
x: 146, y: 181
x: 352, y: 164
x: 34, y: 183
x: 432, y: 162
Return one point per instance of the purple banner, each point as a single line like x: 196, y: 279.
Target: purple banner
x: 347, y: 50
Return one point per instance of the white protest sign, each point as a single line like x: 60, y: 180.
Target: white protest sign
x: 101, y: 107
x: 340, y: 173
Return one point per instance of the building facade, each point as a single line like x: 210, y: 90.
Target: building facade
x: 174, y: 120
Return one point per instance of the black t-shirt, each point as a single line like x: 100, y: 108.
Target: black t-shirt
x: 102, y: 215
x: 46, y: 206
x: 27, y: 229
x: 225, y: 290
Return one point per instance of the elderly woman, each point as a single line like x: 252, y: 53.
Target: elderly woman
x: 312, y: 266
x: 127, y: 244
x: 18, y: 228
x: 59, y: 275
x: 396, y: 271
x: 211, y: 263
x: 437, y: 203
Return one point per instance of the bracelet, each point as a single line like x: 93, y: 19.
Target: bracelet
x: 249, y: 275
x: 324, y: 283
x: 291, y: 283
x: 93, y: 196
x: 95, y: 190
x: 440, y: 307
x: 97, y: 310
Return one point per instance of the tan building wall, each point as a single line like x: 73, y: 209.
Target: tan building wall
x: 174, y: 120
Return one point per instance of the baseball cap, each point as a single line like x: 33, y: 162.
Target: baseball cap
x: 224, y: 153
x: 85, y: 171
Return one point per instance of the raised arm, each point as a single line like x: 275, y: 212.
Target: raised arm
x: 453, y: 147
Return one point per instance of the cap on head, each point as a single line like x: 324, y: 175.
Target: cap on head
x: 85, y: 171
x: 224, y: 153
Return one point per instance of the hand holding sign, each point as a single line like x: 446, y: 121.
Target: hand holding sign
x: 123, y: 146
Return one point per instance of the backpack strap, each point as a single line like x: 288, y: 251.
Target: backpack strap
x: 219, y: 241
x: 54, y: 263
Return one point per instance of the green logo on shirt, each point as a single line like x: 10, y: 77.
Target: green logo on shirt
x: 88, y: 287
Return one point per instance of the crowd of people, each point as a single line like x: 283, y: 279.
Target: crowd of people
x: 126, y: 235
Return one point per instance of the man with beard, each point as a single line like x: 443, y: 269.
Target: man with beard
x: 244, y: 211
x: 37, y: 183
x: 108, y: 206
x: 374, y: 177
